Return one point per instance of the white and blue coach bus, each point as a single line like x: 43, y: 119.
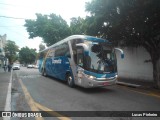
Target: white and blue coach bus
x: 81, y: 60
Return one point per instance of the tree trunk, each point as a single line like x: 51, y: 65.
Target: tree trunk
x: 156, y: 72
x: 155, y: 59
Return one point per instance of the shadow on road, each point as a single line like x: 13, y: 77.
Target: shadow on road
x: 86, y: 90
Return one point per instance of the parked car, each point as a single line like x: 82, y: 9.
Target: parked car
x: 29, y: 66
x: 16, y: 66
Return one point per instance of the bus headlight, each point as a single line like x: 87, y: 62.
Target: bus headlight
x: 116, y: 76
x: 91, y: 77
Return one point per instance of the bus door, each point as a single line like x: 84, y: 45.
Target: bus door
x: 80, y: 56
x: 80, y: 63
x: 83, y: 58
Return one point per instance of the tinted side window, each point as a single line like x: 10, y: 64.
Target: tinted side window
x: 62, y: 50
x: 51, y: 53
x: 42, y: 54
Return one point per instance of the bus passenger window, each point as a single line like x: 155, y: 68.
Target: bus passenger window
x: 62, y: 50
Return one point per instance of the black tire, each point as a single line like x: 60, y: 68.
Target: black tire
x: 70, y: 80
x: 44, y: 73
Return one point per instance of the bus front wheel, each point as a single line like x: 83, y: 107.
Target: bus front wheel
x: 69, y: 80
x: 44, y: 73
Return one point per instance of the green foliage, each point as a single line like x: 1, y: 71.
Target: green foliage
x: 27, y: 55
x: 91, y: 26
x: 51, y: 28
x: 10, y: 51
x: 41, y: 47
x: 123, y: 22
x: 76, y: 26
x: 83, y: 26
x: 129, y: 23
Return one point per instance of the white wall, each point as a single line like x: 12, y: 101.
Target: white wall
x: 133, y: 65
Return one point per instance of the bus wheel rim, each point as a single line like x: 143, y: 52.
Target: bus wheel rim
x: 69, y: 80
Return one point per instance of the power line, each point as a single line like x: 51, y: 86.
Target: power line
x: 7, y: 4
x: 17, y: 32
x: 12, y: 17
x: 14, y: 26
x: 15, y: 5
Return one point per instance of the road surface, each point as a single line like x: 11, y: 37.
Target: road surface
x: 33, y: 92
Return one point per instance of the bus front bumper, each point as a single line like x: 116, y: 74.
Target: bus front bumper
x: 99, y: 82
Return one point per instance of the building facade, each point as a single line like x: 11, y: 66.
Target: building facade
x: 3, y: 41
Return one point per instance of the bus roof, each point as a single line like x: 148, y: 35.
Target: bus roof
x: 72, y: 37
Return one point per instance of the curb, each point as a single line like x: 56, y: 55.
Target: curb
x: 8, y: 98
x: 128, y: 84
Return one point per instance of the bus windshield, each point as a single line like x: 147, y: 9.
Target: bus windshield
x: 102, y: 59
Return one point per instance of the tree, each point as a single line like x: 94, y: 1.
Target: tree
x: 76, y: 25
x: 41, y: 47
x: 51, y: 28
x: 27, y: 55
x: 130, y: 23
x: 10, y: 51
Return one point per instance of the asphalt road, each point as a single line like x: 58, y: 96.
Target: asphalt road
x: 31, y: 91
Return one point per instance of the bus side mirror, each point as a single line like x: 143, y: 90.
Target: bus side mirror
x: 122, y: 53
x: 122, y: 56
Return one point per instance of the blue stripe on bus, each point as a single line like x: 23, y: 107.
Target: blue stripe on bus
x: 94, y: 39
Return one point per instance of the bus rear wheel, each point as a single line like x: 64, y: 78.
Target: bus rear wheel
x: 69, y: 80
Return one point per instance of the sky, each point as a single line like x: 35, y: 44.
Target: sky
x: 14, y: 28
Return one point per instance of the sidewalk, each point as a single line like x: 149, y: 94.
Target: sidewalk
x: 136, y: 83
x: 4, y: 82
x: 141, y: 85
